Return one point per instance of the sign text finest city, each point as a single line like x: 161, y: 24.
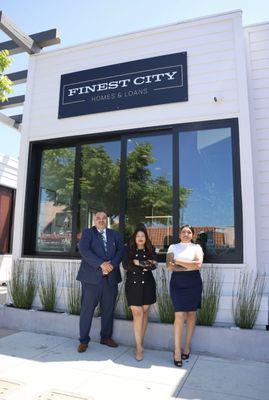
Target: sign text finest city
x: 123, y: 83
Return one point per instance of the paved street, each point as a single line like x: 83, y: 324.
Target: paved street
x: 44, y: 367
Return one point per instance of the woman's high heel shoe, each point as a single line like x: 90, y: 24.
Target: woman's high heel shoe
x: 139, y: 355
x: 178, y: 363
x: 185, y: 356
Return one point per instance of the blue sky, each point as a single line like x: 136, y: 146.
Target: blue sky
x: 87, y: 20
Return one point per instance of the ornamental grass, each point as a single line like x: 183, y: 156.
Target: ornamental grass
x: 122, y: 298
x: 247, y: 295
x: 48, y: 289
x: 164, y: 302
x: 23, y: 284
x: 212, y: 284
x: 73, y: 300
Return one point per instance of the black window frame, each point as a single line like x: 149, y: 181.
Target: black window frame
x: 33, y: 180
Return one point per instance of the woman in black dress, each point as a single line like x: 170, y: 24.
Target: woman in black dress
x: 185, y: 259
x: 140, y: 287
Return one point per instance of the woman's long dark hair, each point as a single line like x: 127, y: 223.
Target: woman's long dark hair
x: 132, y: 243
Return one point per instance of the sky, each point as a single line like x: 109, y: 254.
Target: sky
x: 88, y: 20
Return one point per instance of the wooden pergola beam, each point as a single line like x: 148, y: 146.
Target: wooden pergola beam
x: 10, y: 122
x: 42, y: 39
x: 17, y: 118
x: 18, y: 77
x: 19, y: 37
x: 20, y: 43
x: 15, y: 101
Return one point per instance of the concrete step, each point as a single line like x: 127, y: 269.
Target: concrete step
x: 218, y: 341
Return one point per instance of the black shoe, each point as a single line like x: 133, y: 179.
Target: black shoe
x: 185, y: 356
x: 178, y: 363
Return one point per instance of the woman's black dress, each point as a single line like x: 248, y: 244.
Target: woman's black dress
x: 140, y: 286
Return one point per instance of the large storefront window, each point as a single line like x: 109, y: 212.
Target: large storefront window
x: 54, y: 220
x: 205, y: 167
x: 99, y: 183
x: 6, y: 215
x: 150, y: 188
x: 163, y: 178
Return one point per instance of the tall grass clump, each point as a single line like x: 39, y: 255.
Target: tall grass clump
x: 23, y: 284
x: 164, y: 302
x: 73, y: 301
x: 247, y: 295
x: 48, y: 289
x: 212, y: 284
x: 122, y: 297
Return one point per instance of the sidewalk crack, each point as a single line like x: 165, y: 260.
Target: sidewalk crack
x: 181, y: 385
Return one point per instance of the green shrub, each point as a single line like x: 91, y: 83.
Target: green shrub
x: 23, y: 284
x: 212, y: 284
x: 247, y: 298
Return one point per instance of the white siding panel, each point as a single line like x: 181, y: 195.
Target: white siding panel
x: 262, y: 103
x: 260, y: 73
x: 259, y: 55
x: 263, y: 177
x: 260, y: 83
x: 156, y: 115
x: 261, y: 111
x: 260, y: 64
x: 260, y: 35
x: 220, y: 55
x: 261, y: 124
x: 262, y: 134
x: 261, y: 45
x: 263, y: 147
x: 258, y: 69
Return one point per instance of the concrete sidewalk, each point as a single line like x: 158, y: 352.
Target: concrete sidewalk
x: 44, y: 367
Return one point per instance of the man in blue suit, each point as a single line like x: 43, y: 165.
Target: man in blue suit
x: 99, y: 273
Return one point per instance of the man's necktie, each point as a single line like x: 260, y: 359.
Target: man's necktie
x: 104, y: 239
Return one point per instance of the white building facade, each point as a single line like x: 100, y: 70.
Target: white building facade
x: 201, y: 160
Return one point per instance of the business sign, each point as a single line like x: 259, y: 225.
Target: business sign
x: 157, y: 80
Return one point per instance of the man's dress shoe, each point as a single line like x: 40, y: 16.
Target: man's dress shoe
x: 109, y: 342
x: 82, y: 347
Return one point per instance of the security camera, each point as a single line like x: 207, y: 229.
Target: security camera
x: 218, y: 98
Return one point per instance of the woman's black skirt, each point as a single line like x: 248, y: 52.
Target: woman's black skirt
x: 186, y: 290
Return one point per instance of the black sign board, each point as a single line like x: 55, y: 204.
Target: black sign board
x: 157, y: 80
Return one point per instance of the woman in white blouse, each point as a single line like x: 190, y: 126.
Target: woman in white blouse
x: 185, y: 259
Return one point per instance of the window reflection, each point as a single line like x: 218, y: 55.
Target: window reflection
x: 54, y: 221
x: 206, y: 190
x: 99, y: 183
x: 206, y: 170
x: 149, y: 188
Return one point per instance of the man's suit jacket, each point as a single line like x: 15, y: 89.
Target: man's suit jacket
x: 92, y: 250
